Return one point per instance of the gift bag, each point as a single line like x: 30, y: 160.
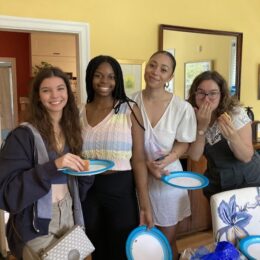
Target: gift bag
x: 72, y: 245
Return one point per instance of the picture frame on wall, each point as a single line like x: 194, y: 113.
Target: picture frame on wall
x: 193, y: 69
x: 133, y: 73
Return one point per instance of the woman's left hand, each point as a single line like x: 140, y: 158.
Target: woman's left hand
x: 240, y: 140
x: 226, y: 128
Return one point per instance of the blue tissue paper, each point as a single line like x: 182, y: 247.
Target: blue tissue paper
x: 223, y: 251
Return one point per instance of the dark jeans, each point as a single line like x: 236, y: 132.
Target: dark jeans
x: 111, y: 213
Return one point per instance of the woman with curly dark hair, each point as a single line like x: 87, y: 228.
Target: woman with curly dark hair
x: 224, y: 136
x: 43, y: 202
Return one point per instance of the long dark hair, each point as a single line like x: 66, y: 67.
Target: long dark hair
x: 118, y: 93
x: 227, y: 102
x: 39, y: 117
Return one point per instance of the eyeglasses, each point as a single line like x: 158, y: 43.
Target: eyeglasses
x: 212, y: 95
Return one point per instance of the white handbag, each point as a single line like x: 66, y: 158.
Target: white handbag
x: 73, y: 245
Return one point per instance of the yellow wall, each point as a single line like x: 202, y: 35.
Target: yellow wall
x: 194, y: 47
x: 129, y: 29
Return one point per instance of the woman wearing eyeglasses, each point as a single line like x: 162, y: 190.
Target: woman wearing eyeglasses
x: 224, y: 136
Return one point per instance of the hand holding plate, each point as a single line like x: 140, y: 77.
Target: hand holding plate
x: 71, y: 161
x: 146, y: 218
x: 95, y: 167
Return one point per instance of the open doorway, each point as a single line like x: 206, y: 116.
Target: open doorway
x: 81, y: 30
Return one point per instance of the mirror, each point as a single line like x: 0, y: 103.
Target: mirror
x: 197, y: 50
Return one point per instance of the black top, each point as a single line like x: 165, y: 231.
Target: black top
x: 226, y: 172
x: 23, y: 182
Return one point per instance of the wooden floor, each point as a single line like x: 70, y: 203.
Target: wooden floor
x: 195, y: 240
x: 189, y: 241
x: 192, y: 241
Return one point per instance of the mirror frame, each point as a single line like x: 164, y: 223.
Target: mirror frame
x: 237, y: 35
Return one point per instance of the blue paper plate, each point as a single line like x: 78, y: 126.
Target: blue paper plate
x: 95, y: 167
x: 186, y: 180
x: 250, y: 247
x: 143, y: 244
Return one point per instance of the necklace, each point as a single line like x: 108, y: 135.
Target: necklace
x: 59, y: 139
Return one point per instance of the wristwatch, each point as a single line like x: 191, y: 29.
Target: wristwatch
x: 201, y: 132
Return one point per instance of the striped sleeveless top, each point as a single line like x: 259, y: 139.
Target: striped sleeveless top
x: 111, y: 139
